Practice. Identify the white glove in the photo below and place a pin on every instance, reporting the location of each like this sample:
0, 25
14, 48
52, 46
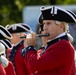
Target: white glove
4, 61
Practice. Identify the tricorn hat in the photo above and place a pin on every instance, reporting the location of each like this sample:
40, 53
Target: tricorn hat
6, 43
18, 27
56, 13
4, 33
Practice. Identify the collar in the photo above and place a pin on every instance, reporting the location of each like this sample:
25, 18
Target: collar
57, 39
20, 43
62, 34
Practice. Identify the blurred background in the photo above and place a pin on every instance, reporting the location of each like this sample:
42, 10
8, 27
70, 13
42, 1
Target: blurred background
27, 11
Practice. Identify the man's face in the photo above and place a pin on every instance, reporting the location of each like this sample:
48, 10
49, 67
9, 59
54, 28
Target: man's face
15, 39
51, 27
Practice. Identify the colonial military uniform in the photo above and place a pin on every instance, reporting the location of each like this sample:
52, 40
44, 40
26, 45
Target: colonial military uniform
10, 68
17, 60
57, 58
15, 54
4, 34
7, 45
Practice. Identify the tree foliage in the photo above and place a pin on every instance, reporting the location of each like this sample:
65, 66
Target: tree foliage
11, 10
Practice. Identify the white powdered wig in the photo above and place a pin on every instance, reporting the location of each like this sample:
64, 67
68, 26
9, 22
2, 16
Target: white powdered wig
70, 37
65, 24
66, 27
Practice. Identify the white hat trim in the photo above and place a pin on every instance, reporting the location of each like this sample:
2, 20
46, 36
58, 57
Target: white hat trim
67, 13
7, 37
30, 31
4, 43
56, 11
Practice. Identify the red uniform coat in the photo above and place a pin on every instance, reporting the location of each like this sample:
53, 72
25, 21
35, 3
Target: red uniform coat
10, 69
75, 68
19, 63
75, 62
17, 60
56, 60
2, 70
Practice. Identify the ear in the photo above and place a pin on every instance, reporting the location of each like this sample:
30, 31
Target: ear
62, 26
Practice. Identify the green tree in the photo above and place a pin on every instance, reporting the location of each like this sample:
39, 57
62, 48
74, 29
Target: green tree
11, 10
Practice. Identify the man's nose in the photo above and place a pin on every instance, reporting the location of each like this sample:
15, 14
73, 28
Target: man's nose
44, 27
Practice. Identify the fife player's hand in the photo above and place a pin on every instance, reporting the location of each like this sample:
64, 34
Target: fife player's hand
31, 39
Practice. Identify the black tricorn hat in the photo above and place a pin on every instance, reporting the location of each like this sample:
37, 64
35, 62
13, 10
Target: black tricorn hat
18, 27
6, 43
72, 13
56, 13
40, 19
4, 33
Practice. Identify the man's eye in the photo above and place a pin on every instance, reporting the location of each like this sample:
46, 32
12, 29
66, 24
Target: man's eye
48, 23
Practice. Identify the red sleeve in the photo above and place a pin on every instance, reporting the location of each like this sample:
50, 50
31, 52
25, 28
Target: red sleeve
54, 57
73, 69
2, 70
10, 69
8, 52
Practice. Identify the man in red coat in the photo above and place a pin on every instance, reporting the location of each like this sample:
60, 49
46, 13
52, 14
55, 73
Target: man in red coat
7, 65
15, 55
9, 70
57, 58
4, 34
